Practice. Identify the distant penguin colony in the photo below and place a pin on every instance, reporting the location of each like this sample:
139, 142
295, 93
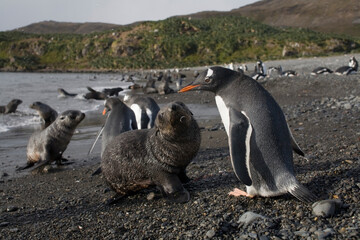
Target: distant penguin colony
260, 140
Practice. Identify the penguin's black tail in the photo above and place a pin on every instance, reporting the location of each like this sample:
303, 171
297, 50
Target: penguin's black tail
302, 193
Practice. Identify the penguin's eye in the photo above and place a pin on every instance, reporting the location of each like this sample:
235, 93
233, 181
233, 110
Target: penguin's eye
208, 79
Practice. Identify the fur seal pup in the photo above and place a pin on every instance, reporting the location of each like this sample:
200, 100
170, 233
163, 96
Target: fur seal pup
47, 113
351, 68
48, 145
145, 110
11, 106
134, 160
64, 93
112, 91
259, 138
93, 94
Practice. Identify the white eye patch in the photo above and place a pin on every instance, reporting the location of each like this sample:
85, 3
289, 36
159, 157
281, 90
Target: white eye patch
209, 73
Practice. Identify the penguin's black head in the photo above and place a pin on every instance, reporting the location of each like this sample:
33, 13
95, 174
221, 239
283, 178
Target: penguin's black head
210, 79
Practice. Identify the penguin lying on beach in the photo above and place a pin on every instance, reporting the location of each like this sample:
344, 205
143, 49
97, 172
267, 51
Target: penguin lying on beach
259, 138
346, 70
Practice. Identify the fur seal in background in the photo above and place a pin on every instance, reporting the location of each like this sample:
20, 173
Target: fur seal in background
260, 140
346, 70
93, 94
11, 106
137, 159
45, 111
321, 70
64, 93
48, 145
112, 91
145, 110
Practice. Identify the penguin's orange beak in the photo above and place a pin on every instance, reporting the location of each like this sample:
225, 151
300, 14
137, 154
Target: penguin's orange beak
104, 111
188, 88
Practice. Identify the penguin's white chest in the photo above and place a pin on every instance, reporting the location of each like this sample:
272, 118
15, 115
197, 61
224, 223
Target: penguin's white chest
224, 112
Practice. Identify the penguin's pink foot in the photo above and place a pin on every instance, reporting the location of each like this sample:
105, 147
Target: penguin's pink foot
237, 192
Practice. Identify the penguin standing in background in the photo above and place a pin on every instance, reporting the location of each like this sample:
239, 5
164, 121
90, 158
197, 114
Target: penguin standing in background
260, 71
259, 138
144, 108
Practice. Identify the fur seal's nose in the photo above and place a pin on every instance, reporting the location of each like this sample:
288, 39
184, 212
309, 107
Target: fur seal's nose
173, 107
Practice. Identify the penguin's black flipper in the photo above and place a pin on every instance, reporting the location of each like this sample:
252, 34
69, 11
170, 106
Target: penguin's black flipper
294, 145
240, 131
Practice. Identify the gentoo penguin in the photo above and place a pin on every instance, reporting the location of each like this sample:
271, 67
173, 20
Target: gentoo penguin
260, 71
120, 119
321, 70
259, 138
346, 70
145, 110
287, 73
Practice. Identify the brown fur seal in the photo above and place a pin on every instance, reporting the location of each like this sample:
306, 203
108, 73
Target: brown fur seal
112, 91
47, 113
136, 159
93, 94
11, 106
64, 93
48, 145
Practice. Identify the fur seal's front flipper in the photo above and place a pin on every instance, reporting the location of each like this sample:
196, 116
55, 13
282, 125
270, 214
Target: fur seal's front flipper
240, 131
28, 165
172, 188
91, 89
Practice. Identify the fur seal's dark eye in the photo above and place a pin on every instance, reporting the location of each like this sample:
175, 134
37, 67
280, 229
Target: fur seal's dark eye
182, 119
62, 118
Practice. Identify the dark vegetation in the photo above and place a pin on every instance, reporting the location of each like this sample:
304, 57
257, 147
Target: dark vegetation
174, 42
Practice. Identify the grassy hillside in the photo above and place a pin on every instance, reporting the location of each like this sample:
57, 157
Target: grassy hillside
331, 16
51, 27
174, 42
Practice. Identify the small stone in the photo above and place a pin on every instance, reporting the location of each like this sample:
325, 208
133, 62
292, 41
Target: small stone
249, 217
11, 209
326, 208
4, 224
301, 233
150, 196
253, 235
210, 233
347, 106
14, 230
